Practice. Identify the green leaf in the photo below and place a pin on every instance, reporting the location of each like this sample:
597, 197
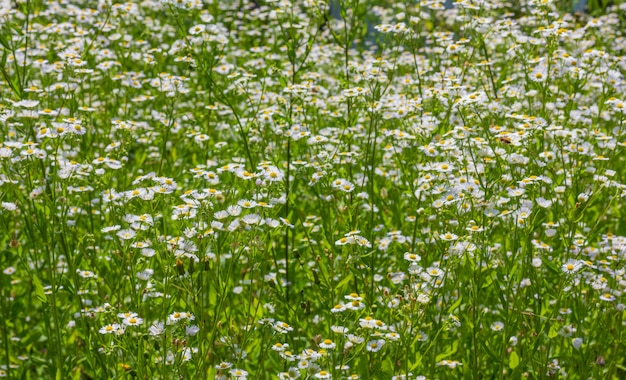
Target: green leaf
282, 81
554, 331
550, 265
513, 360
16, 28
489, 352
451, 351
39, 292
76, 375
418, 361
489, 280
4, 41
455, 305
387, 367
345, 281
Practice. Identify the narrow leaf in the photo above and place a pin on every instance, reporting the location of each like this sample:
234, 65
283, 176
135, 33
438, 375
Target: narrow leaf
513, 360
39, 292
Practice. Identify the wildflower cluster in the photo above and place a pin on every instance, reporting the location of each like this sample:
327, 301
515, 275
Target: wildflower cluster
288, 189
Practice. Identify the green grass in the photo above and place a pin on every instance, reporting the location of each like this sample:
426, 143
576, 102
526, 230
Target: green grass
233, 190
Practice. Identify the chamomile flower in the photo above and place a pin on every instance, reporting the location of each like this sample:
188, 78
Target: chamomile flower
238, 373
571, 266
323, 375
497, 326
375, 345
282, 327
327, 344
109, 329
607, 297
156, 329
412, 257
132, 321
449, 363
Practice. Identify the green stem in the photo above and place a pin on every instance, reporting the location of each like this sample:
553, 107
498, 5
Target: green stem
287, 218
4, 297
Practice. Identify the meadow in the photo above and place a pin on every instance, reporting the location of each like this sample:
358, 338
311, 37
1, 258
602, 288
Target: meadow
205, 189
